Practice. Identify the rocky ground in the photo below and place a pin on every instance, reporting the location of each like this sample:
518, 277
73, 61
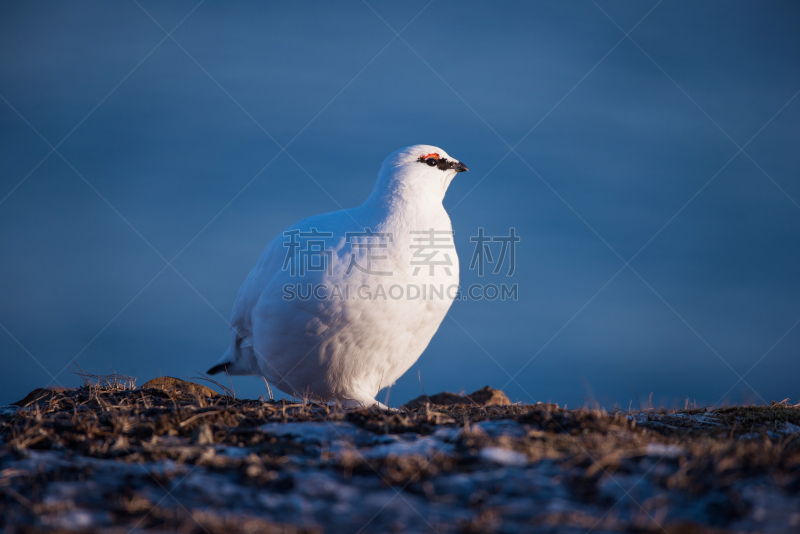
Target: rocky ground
109, 457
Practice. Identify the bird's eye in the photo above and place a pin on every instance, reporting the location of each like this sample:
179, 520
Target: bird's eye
431, 162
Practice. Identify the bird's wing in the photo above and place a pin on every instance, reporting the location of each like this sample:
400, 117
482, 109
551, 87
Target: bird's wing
240, 357
272, 262
268, 265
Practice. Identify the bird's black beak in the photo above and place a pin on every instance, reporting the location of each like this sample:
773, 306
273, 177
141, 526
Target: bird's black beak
460, 167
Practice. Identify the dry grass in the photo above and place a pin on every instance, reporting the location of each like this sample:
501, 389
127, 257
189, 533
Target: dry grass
108, 418
105, 410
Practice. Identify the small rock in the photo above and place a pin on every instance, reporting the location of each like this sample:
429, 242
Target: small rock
485, 396
176, 385
38, 396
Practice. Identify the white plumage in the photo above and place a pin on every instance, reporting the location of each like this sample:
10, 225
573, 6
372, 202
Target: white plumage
346, 346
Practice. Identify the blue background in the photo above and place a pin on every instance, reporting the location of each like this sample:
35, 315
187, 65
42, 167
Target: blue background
173, 153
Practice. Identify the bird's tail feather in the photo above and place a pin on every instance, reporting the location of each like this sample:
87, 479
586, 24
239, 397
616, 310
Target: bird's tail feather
234, 363
223, 364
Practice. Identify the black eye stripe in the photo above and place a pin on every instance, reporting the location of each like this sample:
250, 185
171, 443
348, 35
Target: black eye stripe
441, 163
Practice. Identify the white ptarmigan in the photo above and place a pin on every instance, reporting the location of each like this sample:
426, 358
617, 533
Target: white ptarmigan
342, 304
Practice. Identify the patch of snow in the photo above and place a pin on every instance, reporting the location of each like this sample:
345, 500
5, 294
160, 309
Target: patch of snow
774, 436
322, 486
167, 468
705, 420
328, 433
661, 449
234, 452
496, 429
791, 428
8, 410
505, 457
73, 520
447, 433
427, 446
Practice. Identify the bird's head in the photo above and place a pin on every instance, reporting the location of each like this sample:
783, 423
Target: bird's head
418, 170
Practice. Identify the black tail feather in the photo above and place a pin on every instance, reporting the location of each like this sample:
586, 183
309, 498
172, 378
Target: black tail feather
220, 367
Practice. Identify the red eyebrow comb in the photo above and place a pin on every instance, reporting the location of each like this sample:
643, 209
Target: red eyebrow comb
432, 155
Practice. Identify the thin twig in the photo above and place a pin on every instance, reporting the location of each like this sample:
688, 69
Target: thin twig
269, 389
198, 416
419, 376
637, 396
